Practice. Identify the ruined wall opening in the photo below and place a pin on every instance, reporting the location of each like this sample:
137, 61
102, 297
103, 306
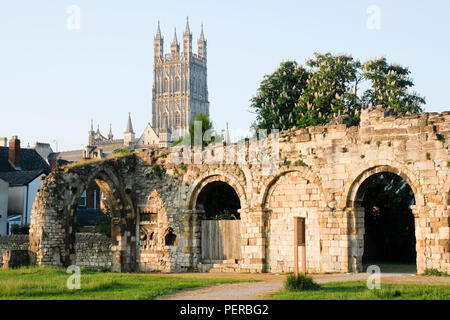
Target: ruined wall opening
93, 211
389, 231
111, 204
171, 238
219, 201
218, 204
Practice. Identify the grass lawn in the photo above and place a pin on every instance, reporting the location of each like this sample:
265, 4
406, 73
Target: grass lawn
357, 290
48, 283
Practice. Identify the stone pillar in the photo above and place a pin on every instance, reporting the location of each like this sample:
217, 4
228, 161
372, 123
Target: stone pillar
432, 237
253, 240
341, 239
192, 234
355, 238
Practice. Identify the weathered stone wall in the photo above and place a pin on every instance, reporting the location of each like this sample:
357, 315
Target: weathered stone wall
320, 175
292, 196
13, 242
92, 250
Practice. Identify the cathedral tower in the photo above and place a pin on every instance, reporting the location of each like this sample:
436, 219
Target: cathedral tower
180, 88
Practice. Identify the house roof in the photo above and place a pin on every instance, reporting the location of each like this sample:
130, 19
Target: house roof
29, 160
20, 178
31, 163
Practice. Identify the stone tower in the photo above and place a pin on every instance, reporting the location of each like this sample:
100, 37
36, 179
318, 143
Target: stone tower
180, 88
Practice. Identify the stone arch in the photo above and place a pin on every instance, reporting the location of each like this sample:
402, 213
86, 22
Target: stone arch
272, 180
353, 195
352, 204
212, 177
193, 219
53, 224
291, 193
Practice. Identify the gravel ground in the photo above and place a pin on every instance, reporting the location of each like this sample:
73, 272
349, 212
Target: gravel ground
271, 283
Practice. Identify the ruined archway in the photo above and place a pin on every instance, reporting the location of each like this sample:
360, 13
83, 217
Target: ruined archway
381, 220
217, 203
52, 235
291, 194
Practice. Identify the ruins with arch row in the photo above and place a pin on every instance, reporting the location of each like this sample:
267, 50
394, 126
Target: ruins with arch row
321, 174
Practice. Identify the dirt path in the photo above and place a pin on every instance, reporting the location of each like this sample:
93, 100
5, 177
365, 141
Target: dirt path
271, 283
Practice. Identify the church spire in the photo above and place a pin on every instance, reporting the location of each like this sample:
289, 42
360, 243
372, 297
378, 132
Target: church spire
110, 135
158, 31
175, 40
187, 30
129, 124
201, 44
175, 47
187, 39
158, 43
202, 35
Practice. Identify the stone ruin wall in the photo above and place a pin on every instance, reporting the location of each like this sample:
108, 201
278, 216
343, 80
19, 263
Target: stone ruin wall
93, 250
320, 175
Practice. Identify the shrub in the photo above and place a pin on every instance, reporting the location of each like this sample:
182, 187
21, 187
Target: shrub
435, 273
226, 215
301, 163
300, 282
122, 151
18, 229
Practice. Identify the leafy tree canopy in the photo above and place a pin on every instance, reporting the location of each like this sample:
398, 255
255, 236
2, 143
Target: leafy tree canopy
278, 96
331, 90
294, 96
390, 85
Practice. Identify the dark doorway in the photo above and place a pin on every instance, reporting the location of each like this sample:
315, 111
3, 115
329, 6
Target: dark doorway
219, 201
389, 237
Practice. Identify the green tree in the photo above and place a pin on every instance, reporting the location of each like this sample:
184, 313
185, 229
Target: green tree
103, 225
277, 96
331, 90
208, 135
390, 86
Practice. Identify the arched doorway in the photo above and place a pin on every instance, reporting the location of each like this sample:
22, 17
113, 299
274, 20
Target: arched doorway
218, 204
219, 201
116, 204
389, 239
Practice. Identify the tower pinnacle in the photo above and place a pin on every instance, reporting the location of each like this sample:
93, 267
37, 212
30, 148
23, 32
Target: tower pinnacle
187, 30
129, 124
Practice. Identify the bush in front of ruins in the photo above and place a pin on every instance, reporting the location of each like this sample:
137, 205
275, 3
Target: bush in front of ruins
300, 282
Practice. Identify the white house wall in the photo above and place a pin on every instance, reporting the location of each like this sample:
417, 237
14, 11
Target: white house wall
3, 206
32, 189
15, 200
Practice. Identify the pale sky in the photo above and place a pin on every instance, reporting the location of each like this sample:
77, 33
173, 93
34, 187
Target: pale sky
54, 80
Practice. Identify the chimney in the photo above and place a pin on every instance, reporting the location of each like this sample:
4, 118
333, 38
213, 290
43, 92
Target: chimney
14, 151
3, 142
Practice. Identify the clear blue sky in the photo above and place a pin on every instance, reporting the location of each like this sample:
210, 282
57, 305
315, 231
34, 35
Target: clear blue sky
53, 80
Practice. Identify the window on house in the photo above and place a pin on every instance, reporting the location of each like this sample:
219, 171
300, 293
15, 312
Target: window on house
82, 202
